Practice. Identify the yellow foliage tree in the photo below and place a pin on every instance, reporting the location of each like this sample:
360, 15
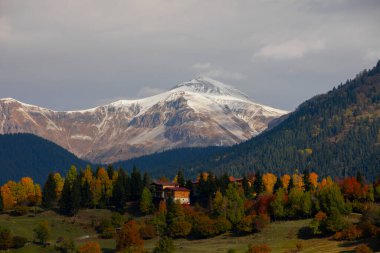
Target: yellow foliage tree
269, 181
59, 182
298, 181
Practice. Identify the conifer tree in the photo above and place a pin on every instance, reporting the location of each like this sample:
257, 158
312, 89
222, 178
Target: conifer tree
181, 178
146, 180
119, 194
136, 184
258, 185
306, 180
49, 195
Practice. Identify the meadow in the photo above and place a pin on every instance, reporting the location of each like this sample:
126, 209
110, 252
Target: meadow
281, 236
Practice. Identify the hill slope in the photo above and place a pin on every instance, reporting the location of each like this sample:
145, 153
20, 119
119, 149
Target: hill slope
199, 113
337, 133
24, 155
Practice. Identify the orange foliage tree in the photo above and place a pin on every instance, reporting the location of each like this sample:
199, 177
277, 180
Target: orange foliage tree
285, 180
313, 179
129, 238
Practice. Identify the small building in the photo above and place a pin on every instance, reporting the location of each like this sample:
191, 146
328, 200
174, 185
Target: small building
178, 194
165, 190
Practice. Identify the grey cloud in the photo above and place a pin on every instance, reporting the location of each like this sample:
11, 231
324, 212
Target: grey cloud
75, 54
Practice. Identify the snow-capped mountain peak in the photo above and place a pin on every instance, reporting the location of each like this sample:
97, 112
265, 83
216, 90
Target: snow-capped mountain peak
210, 86
200, 112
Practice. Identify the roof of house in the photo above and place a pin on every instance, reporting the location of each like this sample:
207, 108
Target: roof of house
177, 189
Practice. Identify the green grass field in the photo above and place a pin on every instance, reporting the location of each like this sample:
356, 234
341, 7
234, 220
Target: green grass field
280, 236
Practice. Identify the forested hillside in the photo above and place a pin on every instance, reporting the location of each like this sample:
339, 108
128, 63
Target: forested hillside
29, 155
335, 134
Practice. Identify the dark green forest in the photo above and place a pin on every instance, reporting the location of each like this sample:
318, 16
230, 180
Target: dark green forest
28, 155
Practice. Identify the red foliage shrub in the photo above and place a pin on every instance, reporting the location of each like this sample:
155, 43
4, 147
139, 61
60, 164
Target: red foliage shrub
260, 248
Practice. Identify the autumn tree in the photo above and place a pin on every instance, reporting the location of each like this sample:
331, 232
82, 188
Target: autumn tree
235, 204
285, 180
7, 197
146, 201
219, 205
313, 180
129, 239
269, 180
278, 204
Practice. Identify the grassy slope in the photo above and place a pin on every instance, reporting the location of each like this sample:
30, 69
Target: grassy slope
280, 236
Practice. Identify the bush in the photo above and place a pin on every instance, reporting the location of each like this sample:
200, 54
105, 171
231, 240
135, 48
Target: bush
108, 233
117, 220
179, 228
222, 225
231, 251
5, 239
148, 231
20, 210
164, 245
90, 247
363, 249
260, 248
203, 226
351, 233
42, 232
104, 223
65, 246
260, 222
19, 242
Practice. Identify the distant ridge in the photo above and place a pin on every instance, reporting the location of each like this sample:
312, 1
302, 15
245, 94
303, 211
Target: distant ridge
27, 155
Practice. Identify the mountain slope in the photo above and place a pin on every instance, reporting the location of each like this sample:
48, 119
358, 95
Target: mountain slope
24, 155
198, 113
337, 134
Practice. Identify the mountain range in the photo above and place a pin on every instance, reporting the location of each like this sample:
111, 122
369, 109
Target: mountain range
199, 113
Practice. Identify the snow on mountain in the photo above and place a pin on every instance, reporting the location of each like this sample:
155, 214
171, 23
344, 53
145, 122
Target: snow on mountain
201, 112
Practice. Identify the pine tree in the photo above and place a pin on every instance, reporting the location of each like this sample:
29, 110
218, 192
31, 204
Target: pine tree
306, 180
136, 184
258, 185
119, 195
71, 195
181, 178
146, 180
49, 195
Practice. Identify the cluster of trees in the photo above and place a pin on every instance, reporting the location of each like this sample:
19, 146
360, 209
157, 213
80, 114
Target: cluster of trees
22, 193
88, 189
219, 204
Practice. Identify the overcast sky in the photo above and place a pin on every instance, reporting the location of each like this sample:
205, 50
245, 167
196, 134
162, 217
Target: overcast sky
76, 54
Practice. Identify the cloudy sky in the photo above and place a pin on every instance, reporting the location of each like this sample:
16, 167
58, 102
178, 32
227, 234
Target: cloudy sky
76, 54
